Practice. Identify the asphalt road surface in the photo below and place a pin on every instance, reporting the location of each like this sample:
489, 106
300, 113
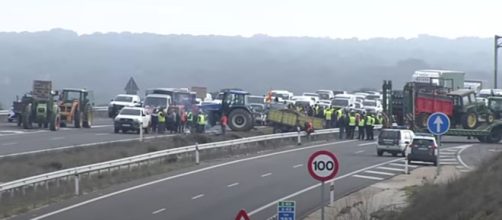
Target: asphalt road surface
17, 140
219, 190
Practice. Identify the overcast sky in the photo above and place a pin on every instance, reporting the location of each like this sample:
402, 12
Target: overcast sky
317, 18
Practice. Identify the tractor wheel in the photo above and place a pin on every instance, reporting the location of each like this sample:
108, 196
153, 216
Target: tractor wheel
495, 135
78, 119
421, 120
88, 117
27, 123
55, 122
482, 139
240, 120
489, 117
470, 120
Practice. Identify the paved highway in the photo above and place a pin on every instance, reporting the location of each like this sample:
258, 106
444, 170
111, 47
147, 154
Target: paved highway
16, 140
217, 191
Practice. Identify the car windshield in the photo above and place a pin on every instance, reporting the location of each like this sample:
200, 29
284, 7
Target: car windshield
127, 111
156, 102
370, 104
123, 99
372, 97
496, 104
422, 142
340, 102
255, 99
324, 96
389, 134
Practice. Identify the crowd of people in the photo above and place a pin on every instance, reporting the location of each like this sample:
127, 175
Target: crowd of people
175, 121
346, 120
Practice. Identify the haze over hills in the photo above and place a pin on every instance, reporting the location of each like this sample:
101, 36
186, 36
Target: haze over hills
104, 62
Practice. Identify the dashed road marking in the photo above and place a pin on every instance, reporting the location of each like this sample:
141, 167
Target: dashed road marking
368, 177
158, 211
266, 174
9, 144
403, 165
389, 168
297, 165
101, 134
232, 185
198, 196
358, 152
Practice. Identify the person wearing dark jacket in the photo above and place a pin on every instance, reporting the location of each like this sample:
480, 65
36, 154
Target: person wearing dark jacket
342, 124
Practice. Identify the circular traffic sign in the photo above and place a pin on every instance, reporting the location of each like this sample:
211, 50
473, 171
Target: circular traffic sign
438, 123
323, 165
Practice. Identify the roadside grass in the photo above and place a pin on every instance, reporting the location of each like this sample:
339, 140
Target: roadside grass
477, 196
12, 168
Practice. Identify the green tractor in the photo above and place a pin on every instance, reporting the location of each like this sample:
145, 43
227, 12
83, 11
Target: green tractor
39, 107
495, 105
467, 111
76, 108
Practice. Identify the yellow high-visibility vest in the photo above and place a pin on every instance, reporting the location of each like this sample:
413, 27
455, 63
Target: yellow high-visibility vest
352, 120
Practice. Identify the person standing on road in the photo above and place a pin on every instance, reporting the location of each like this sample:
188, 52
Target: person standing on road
223, 123
155, 120
369, 121
352, 126
361, 127
342, 123
371, 127
183, 122
162, 121
201, 121
327, 116
334, 118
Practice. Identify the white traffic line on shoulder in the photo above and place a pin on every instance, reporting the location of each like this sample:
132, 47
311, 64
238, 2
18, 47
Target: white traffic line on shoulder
448, 163
266, 174
9, 144
158, 211
391, 169
402, 165
198, 196
379, 173
368, 177
102, 134
448, 159
359, 151
365, 144
199, 171
232, 185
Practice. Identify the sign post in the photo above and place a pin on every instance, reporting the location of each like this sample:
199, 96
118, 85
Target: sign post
286, 210
323, 166
438, 124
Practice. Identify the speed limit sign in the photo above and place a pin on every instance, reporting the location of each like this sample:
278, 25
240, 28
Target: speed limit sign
323, 165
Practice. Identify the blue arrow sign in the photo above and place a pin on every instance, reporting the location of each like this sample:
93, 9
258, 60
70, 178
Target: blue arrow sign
438, 123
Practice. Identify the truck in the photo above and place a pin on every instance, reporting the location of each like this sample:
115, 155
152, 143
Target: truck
412, 106
287, 120
38, 106
180, 100
76, 107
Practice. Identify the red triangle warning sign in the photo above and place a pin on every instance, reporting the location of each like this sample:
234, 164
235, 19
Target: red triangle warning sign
242, 215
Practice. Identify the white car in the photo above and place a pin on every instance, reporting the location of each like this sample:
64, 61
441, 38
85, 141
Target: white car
372, 106
132, 119
122, 100
313, 96
394, 141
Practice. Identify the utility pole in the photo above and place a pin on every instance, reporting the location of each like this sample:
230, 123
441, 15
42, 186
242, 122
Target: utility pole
497, 46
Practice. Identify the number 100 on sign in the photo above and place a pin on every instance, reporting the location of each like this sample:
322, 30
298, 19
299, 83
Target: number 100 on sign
323, 165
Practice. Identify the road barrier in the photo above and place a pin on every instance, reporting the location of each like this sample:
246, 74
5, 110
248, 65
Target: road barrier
76, 172
101, 111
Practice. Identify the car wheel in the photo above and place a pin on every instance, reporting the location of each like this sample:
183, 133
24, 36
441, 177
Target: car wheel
379, 153
116, 130
394, 154
403, 154
124, 131
436, 162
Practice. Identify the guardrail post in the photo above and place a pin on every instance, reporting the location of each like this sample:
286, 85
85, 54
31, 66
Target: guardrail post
197, 159
141, 130
299, 136
77, 184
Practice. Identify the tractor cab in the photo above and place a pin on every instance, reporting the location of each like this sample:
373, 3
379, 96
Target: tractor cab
495, 105
76, 107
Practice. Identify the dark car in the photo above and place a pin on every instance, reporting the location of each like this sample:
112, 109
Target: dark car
423, 148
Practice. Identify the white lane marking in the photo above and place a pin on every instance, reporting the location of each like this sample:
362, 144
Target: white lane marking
448, 159
198, 196
101, 134
57, 138
158, 211
389, 168
10, 133
10, 143
266, 174
380, 173
448, 152
448, 163
495, 150
459, 157
273, 203
360, 145
101, 126
190, 173
232, 185
368, 177
358, 152
297, 165
402, 165
446, 156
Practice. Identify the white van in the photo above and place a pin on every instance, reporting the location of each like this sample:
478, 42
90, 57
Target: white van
394, 141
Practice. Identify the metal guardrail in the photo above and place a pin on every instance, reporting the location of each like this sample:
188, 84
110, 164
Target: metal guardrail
77, 171
96, 108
